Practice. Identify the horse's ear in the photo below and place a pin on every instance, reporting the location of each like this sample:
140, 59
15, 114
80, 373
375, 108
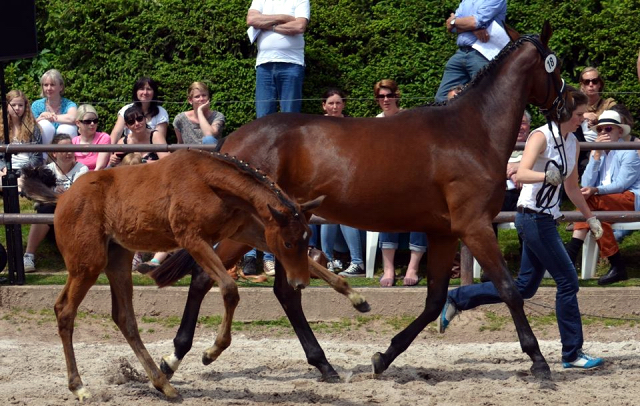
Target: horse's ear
280, 218
511, 32
313, 204
546, 33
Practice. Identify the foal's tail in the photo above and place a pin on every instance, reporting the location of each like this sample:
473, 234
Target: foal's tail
173, 268
37, 184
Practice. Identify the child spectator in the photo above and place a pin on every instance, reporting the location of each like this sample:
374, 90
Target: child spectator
23, 129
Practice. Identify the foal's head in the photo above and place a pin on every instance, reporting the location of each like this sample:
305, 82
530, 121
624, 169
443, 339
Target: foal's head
287, 235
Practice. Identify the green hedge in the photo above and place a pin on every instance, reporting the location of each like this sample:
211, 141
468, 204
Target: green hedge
103, 46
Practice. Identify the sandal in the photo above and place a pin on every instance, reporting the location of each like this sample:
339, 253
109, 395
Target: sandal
409, 281
387, 282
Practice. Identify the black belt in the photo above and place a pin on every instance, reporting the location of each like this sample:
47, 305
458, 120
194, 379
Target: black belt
523, 210
465, 48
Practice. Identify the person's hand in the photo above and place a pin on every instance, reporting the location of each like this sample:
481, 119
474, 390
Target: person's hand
595, 226
202, 107
592, 118
588, 191
114, 160
448, 22
512, 169
481, 34
553, 176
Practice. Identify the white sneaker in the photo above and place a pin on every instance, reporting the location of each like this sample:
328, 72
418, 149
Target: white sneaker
334, 266
269, 267
29, 261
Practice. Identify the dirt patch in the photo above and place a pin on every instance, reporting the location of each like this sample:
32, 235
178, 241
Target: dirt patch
477, 361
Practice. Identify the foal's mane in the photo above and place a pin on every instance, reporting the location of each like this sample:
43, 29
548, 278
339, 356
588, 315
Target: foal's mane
254, 173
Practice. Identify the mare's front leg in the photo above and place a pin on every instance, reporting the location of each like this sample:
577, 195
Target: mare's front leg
291, 302
229, 252
119, 273
484, 247
441, 254
340, 285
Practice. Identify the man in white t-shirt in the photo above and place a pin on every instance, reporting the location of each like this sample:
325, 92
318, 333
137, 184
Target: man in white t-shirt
279, 26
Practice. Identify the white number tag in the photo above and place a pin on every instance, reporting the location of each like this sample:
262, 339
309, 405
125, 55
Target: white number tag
550, 63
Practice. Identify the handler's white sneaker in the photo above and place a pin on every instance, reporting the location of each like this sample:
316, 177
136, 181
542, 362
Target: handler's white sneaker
29, 261
584, 361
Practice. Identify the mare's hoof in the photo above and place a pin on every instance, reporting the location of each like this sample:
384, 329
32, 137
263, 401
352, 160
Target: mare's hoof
166, 369
332, 378
542, 372
377, 361
363, 307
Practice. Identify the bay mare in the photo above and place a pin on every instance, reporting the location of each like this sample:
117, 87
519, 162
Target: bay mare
437, 169
190, 200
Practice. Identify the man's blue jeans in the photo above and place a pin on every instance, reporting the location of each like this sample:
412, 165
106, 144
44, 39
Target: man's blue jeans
328, 235
278, 81
542, 250
459, 70
417, 241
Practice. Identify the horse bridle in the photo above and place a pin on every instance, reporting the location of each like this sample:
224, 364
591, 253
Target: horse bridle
545, 195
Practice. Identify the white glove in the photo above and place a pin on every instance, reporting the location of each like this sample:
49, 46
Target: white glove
553, 176
595, 227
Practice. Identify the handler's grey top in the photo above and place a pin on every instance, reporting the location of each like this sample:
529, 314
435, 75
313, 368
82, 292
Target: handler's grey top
191, 132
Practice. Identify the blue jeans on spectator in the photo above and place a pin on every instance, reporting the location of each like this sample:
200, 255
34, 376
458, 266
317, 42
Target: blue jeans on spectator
543, 250
314, 241
459, 70
417, 241
328, 235
278, 81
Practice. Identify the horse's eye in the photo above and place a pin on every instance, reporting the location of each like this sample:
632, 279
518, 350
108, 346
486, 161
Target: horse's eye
288, 245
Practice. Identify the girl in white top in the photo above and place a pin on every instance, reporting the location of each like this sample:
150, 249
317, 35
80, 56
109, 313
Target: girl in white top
145, 95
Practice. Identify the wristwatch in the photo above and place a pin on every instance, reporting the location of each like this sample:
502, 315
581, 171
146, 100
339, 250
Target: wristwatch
453, 22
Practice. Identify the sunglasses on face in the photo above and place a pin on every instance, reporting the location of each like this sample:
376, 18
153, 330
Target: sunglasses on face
587, 82
386, 96
90, 121
606, 129
132, 121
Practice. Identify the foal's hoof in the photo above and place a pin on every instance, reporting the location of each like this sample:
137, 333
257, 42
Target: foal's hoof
208, 359
541, 371
82, 394
169, 391
378, 363
359, 302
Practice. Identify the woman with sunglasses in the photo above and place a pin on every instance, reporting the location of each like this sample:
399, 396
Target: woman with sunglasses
387, 95
88, 134
146, 96
592, 85
139, 133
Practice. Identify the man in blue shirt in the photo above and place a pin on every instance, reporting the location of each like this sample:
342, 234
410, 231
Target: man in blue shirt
470, 21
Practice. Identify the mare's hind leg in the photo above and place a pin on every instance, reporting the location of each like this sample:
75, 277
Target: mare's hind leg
484, 247
119, 273
291, 302
340, 285
229, 252
441, 253
204, 254
82, 274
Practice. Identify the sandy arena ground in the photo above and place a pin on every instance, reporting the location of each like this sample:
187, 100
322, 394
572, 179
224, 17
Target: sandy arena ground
469, 365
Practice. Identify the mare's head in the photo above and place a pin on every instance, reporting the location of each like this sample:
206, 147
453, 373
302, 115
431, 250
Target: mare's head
287, 234
546, 85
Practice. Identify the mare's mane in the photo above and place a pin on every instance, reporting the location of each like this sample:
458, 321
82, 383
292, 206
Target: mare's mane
254, 173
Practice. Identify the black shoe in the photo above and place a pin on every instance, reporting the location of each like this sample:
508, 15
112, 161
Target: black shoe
249, 266
615, 274
484, 277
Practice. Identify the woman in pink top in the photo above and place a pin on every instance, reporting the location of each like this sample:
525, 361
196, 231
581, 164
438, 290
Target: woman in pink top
87, 122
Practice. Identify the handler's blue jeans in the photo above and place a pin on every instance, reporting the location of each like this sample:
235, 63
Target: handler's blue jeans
328, 235
542, 250
417, 241
278, 81
459, 70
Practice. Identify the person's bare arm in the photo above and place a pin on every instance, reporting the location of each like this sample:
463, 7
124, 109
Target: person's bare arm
266, 21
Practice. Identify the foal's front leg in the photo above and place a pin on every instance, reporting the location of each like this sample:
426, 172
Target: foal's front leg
340, 285
291, 302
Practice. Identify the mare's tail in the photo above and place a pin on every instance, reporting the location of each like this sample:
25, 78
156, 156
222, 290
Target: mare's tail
173, 268
37, 184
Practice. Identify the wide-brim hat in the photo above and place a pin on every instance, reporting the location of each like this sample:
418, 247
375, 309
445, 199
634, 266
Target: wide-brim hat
613, 118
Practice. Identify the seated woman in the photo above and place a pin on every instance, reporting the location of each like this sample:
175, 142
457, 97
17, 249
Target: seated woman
67, 170
333, 102
54, 113
87, 122
191, 126
146, 96
139, 133
23, 129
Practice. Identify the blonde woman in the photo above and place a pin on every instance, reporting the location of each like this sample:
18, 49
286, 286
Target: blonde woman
55, 114
23, 129
193, 125
87, 122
